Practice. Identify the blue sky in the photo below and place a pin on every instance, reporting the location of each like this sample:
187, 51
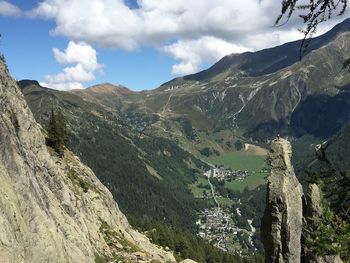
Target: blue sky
140, 44
27, 46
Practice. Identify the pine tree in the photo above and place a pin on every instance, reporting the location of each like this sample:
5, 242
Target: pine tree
57, 132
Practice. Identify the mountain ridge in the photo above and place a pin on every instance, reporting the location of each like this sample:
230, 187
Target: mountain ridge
245, 60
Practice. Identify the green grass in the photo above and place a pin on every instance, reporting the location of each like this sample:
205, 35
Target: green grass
223, 201
239, 161
252, 181
254, 164
198, 188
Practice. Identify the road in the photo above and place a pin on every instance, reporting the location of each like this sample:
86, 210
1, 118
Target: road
212, 188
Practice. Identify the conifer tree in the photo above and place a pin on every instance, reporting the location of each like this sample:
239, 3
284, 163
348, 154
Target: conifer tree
57, 132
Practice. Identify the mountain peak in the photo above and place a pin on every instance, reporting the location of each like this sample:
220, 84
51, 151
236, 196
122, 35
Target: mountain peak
28, 82
265, 61
109, 88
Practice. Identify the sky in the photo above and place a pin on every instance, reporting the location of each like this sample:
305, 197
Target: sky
140, 44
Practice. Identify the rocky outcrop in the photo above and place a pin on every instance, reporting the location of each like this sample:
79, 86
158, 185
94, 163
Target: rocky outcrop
55, 209
281, 226
288, 213
314, 201
313, 212
188, 261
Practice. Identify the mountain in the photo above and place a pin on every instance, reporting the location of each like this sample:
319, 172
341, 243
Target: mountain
55, 209
154, 144
128, 155
258, 95
153, 171
106, 94
269, 60
241, 95
251, 96
149, 176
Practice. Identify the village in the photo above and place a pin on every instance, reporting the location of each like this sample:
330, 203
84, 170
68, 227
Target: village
222, 174
215, 224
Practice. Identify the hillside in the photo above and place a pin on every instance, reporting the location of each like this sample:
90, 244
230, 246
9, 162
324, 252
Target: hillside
257, 95
249, 97
154, 171
157, 145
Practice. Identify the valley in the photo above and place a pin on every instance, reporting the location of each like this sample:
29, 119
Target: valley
190, 156
226, 140
216, 224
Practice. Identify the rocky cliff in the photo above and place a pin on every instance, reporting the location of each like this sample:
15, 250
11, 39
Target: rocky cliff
281, 226
288, 216
55, 209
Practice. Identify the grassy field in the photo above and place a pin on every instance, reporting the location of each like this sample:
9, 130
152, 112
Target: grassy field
199, 187
252, 181
254, 164
223, 201
239, 161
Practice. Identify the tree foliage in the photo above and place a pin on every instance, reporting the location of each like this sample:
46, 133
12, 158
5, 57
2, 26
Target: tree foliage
187, 245
314, 12
57, 132
329, 234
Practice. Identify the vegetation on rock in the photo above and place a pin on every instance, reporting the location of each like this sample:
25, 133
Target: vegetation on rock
57, 133
329, 232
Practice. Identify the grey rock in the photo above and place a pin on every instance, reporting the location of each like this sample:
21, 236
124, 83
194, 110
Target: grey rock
188, 261
281, 226
314, 202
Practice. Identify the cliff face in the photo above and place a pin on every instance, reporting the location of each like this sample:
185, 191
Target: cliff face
55, 209
281, 226
287, 212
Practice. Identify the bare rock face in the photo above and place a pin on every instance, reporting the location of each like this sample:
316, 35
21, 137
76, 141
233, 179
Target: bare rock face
55, 209
188, 261
281, 225
314, 207
328, 259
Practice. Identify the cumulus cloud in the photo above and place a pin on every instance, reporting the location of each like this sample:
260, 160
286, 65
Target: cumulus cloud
112, 23
8, 9
83, 58
193, 53
217, 26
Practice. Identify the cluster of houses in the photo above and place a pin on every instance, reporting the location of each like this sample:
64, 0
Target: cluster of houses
222, 174
215, 225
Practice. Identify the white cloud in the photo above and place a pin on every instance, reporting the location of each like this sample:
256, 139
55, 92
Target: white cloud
111, 23
83, 58
194, 53
235, 25
8, 9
